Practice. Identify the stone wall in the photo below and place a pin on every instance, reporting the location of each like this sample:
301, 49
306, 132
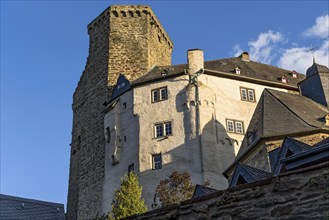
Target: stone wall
121, 41
301, 194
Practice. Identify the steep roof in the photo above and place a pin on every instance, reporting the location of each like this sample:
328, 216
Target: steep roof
249, 174
248, 70
315, 69
280, 113
202, 190
12, 207
319, 153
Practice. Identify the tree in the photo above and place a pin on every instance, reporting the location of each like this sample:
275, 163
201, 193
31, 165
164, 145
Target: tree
177, 188
128, 200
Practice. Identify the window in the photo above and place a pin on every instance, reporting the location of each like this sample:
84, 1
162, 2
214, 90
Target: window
162, 129
156, 161
131, 168
247, 94
159, 94
108, 135
124, 105
234, 126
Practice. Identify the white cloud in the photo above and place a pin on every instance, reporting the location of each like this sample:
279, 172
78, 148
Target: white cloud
301, 58
268, 48
320, 28
264, 48
237, 51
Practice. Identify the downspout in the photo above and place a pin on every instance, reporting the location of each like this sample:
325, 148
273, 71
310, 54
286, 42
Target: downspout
198, 122
195, 69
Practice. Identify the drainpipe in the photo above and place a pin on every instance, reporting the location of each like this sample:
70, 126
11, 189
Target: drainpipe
196, 68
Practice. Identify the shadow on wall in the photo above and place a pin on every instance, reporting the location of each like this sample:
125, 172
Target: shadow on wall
217, 152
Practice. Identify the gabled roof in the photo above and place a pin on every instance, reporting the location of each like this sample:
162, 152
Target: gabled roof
224, 68
249, 174
319, 153
202, 190
280, 113
12, 207
288, 145
122, 86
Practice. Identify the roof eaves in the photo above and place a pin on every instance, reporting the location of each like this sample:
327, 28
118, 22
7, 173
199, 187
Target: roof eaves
307, 153
250, 79
156, 79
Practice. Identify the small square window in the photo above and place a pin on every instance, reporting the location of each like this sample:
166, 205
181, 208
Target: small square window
131, 168
168, 128
251, 95
230, 126
157, 161
244, 94
163, 93
158, 130
155, 96
163, 129
239, 127
159, 94
234, 126
247, 94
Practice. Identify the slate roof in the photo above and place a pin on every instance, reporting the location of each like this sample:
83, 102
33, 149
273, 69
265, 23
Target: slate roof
280, 113
316, 68
17, 208
250, 174
202, 190
249, 70
288, 144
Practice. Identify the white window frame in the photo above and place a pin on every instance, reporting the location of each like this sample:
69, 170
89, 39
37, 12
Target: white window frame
162, 126
234, 126
156, 165
230, 126
247, 94
159, 94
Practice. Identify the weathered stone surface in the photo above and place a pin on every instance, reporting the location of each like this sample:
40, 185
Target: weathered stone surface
310, 200
123, 39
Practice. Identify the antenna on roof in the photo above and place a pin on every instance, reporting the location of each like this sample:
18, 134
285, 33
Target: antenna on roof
312, 50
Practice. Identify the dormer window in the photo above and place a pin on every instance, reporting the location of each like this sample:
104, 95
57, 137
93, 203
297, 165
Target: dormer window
294, 74
238, 70
283, 79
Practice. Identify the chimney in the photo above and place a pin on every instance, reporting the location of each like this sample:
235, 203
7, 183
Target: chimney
195, 61
245, 56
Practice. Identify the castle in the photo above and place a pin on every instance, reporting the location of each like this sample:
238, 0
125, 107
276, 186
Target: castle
134, 110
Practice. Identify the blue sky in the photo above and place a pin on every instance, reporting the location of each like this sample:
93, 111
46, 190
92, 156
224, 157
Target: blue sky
44, 46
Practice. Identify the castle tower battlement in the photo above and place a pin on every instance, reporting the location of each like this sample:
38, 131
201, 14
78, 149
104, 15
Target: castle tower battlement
125, 39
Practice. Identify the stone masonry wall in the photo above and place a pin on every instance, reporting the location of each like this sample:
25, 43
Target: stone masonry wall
120, 42
302, 194
137, 42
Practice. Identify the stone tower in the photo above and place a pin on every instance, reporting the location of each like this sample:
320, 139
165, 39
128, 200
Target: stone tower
123, 39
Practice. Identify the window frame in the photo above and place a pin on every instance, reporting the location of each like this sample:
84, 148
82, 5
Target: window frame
163, 127
156, 165
235, 129
247, 94
159, 94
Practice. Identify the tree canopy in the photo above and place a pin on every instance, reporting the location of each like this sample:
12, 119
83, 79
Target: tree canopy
176, 188
128, 200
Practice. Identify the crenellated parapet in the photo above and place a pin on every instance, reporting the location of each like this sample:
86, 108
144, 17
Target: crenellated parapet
132, 11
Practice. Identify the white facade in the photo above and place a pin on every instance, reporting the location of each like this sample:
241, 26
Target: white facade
205, 158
